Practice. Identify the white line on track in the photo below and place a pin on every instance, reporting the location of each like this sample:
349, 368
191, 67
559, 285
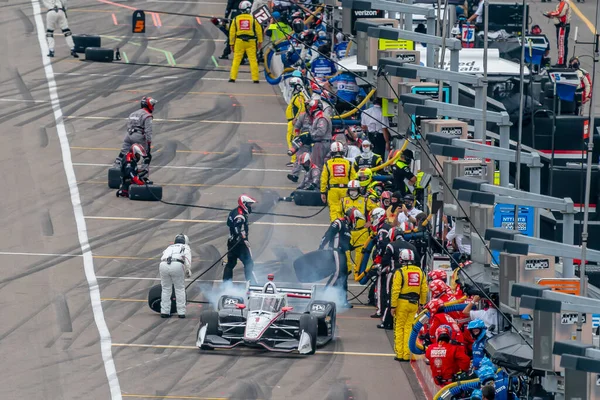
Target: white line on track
15, 253
23, 101
136, 278
148, 76
193, 168
197, 221
88, 262
185, 2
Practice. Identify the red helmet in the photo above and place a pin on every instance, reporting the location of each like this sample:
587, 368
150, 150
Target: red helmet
394, 234
434, 305
438, 287
386, 196
423, 333
305, 159
437, 274
352, 216
245, 203
443, 332
313, 106
138, 151
148, 103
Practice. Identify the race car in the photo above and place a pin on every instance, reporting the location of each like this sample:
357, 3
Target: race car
277, 319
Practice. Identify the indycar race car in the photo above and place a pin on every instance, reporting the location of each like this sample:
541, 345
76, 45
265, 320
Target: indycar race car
276, 319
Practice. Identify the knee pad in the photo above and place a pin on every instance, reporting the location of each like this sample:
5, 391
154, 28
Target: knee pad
67, 32
49, 33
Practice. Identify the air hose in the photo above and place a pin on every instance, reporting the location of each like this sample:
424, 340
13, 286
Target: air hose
362, 274
421, 319
455, 388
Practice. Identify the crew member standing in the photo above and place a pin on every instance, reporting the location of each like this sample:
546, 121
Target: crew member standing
139, 129
175, 265
320, 131
231, 11
561, 17
336, 174
371, 121
245, 33
293, 110
409, 290
57, 16
338, 238
238, 246
402, 173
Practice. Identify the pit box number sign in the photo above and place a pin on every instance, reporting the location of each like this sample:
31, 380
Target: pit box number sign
262, 15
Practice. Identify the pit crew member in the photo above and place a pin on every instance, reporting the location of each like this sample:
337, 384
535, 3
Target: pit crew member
238, 246
175, 265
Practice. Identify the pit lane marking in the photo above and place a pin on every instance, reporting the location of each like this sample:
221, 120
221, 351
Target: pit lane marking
181, 347
135, 278
586, 21
204, 121
193, 168
204, 185
197, 221
231, 94
23, 101
154, 77
258, 153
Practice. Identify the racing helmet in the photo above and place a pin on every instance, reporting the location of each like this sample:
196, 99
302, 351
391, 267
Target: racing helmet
437, 274
148, 103
486, 374
407, 256
437, 287
245, 203
322, 35
394, 234
336, 148
365, 177
377, 216
305, 160
386, 198
138, 151
297, 24
245, 6
308, 36
476, 395
181, 239
276, 15
296, 84
455, 30
443, 332
339, 37
434, 305
477, 324
352, 216
366, 145
408, 155
314, 105
353, 189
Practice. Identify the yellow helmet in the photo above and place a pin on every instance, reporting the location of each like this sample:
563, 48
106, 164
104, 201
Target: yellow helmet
365, 177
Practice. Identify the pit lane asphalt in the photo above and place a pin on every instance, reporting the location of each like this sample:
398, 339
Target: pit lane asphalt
49, 337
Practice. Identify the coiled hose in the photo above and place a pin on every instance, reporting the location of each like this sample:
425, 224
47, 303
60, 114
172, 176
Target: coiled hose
455, 388
413, 345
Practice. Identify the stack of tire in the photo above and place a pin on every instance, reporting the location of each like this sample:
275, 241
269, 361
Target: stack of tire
136, 192
90, 45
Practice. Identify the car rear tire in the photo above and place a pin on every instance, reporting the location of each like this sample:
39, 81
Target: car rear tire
210, 318
309, 324
154, 299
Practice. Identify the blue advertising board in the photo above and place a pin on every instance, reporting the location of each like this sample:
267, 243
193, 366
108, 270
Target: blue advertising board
504, 217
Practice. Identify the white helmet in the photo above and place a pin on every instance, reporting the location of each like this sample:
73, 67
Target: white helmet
339, 37
455, 30
245, 6
377, 215
336, 148
245, 202
353, 189
296, 84
304, 159
407, 255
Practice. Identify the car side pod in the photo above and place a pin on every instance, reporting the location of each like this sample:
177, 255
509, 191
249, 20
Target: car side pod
201, 335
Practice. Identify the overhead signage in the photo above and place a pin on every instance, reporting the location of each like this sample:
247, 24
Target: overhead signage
504, 217
571, 318
359, 14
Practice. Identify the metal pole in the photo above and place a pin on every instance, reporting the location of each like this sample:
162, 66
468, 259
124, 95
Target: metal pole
567, 238
443, 55
588, 179
486, 24
521, 105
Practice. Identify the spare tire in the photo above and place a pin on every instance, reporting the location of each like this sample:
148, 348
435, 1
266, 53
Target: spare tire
315, 266
99, 54
145, 192
82, 42
154, 299
114, 178
309, 324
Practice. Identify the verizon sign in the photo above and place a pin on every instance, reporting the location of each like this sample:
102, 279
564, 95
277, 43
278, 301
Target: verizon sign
358, 14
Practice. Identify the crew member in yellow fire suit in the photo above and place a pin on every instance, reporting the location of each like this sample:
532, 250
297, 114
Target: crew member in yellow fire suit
294, 108
244, 34
409, 290
360, 234
337, 172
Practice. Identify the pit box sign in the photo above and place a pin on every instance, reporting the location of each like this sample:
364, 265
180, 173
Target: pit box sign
138, 22
262, 15
534, 264
571, 318
452, 130
358, 14
474, 171
504, 217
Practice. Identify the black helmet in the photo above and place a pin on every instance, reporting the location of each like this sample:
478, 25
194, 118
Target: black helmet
298, 25
181, 239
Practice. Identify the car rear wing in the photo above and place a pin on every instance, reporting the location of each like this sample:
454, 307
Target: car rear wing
300, 293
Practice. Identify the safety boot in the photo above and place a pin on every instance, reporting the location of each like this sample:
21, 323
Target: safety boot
51, 53
74, 53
